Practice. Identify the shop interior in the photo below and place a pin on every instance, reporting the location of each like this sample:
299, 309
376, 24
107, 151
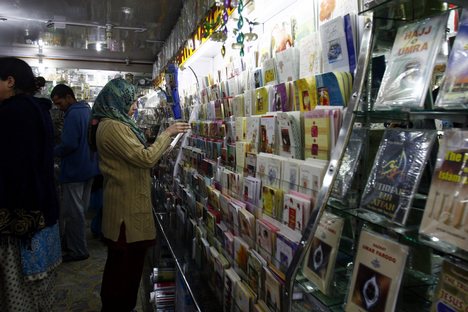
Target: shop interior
326, 165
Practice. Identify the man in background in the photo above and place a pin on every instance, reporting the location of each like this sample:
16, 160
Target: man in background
78, 167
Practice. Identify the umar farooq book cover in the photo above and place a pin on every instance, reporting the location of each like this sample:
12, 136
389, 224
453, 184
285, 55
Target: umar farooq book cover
377, 274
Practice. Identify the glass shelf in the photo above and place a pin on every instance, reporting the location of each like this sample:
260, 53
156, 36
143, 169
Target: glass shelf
416, 289
405, 10
405, 233
460, 116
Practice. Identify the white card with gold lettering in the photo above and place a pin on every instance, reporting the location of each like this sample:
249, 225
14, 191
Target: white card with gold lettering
320, 260
378, 268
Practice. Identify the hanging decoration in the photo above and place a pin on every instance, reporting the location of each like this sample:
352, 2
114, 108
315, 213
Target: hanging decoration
227, 4
251, 36
239, 44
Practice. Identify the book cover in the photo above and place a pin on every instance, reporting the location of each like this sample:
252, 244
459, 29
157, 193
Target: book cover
307, 94
377, 274
241, 150
311, 176
281, 99
329, 9
264, 49
410, 64
271, 98
320, 260
287, 65
445, 216
253, 133
329, 90
234, 183
231, 278
241, 253
271, 200
270, 76
229, 244
224, 89
252, 190
241, 131
272, 291
396, 172
231, 155
250, 164
261, 101
262, 166
232, 220
286, 246
260, 306
451, 294
230, 132
233, 86
215, 92
247, 226
296, 211
268, 134
334, 46
282, 36
266, 238
220, 265
349, 164
310, 62
242, 81
289, 141
290, 175
257, 77
249, 103
254, 270
224, 205
273, 171
349, 22
317, 134
244, 297
228, 107
454, 90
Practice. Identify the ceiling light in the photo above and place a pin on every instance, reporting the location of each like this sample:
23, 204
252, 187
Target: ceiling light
126, 10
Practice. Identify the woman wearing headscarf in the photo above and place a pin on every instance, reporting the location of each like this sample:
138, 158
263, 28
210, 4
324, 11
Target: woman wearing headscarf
29, 236
125, 161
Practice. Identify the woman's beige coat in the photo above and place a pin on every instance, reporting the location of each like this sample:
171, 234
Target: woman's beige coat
125, 165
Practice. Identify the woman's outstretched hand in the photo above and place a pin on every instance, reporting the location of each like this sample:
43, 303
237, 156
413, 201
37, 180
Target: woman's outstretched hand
178, 127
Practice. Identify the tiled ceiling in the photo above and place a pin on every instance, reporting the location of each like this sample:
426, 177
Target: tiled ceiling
134, 29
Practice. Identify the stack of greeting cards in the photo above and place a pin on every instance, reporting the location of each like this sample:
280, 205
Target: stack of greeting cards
290, 144
296, 210
287, 65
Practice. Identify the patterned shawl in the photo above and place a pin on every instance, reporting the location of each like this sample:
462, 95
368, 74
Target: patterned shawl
114, 102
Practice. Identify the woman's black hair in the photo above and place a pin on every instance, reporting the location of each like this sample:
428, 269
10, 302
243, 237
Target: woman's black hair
40, 82
21, 72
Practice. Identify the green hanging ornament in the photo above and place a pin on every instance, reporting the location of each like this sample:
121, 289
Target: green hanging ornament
240, 22
223, 50
240, 38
